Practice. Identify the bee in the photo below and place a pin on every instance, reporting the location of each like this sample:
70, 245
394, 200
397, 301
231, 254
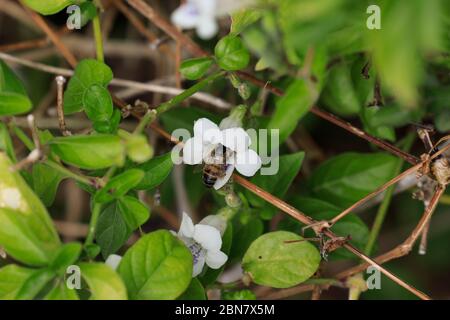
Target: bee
215, 166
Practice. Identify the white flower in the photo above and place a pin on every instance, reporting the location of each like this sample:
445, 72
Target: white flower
208, 138
204, 242
113, 261
202, 14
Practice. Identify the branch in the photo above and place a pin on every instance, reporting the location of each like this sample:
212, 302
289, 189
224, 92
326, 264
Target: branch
200, 96
42, 24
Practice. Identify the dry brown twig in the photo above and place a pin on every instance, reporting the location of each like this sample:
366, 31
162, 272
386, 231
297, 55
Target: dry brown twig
52, 35
152, 87
60, 80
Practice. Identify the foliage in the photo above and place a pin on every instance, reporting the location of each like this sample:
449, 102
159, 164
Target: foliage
278, 62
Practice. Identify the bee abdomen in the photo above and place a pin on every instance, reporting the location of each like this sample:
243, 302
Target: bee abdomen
211, 173
209, 180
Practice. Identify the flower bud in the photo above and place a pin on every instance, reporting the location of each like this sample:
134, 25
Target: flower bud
356, 285
257, 108
137, 147
232, 200
234, 120
235, 81
244, 90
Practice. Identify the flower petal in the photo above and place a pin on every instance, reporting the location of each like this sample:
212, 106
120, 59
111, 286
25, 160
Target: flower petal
198, 265
206, 7
208, 237
202, 125
236, 139
216, 259
187, 227
113, 261
207, 28
193, 151
220, 182
186, 16
207, 131
247, 163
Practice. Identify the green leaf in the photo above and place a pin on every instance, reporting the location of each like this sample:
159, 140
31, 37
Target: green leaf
35, 284
88, 12
60, 291
291, 108
13, 97
110, 125
89, 152
12, 278
47, 7
87, 73
289, 166
119, 185
9, 82
395, 116
104, 283
399, 57
156, 171
13, 103
380, 131
134, 211
117, 221
239, 295
112, 231
97, 103
45, 182
193, 69
6, 144
231, 53
243, 18
67, 255
347, 178
26, 230
158, 266
339, 94
270, 261
195, 291
244, 235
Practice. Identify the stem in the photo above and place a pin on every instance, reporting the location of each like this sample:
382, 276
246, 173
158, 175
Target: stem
63, 170
151, 115
324, 281
22, 136
98, 38
93, 224
382, 210
384, 207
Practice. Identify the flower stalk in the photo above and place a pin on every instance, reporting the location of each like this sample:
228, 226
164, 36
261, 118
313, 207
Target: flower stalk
151, 115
